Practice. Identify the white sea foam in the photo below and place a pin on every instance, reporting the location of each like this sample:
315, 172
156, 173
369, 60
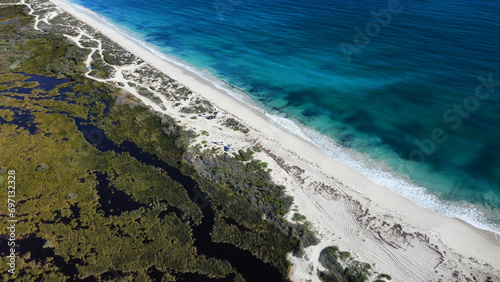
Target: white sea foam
382, 174
376, 171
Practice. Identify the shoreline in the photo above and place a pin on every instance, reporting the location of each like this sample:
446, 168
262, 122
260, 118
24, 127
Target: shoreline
470, 213
343, 206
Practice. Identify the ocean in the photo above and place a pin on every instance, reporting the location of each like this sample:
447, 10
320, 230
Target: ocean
406, 92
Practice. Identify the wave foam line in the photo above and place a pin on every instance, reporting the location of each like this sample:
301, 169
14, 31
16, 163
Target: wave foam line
381, 174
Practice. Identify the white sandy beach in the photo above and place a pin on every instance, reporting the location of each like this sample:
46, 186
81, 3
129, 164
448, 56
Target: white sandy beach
348, 210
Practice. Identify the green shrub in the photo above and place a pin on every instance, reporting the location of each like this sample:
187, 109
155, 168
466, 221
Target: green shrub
298, 217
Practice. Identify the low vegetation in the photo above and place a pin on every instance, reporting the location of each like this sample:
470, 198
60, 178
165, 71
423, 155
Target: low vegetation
63, 230
198, 107
341, 267
235, 125
298, 217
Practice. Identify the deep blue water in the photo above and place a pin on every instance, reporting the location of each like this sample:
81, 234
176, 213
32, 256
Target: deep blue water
377, 88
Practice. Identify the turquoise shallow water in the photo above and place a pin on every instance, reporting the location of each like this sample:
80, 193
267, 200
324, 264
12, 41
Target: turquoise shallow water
395, 85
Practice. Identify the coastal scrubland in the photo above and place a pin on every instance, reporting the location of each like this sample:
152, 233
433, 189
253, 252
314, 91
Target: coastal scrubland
58, 205
85, 212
